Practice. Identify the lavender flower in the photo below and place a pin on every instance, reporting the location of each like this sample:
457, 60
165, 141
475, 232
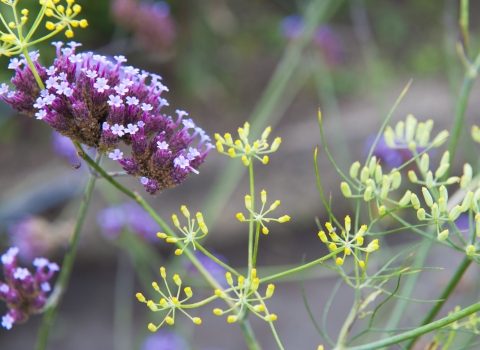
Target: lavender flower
24, 292
164, 340
215, 269
127, 215
80, 103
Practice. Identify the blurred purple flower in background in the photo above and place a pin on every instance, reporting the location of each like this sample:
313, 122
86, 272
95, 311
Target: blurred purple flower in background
64, 147
150, 22
324, 38
164, 340
127, 215
211, 266
35, 236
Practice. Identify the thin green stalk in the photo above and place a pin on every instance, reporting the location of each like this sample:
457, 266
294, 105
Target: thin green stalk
277, 339
444, 296
214, 258
255, 247
458, 122
244, 324
32, 68
415, 333
301, 268
66, 270
250, 224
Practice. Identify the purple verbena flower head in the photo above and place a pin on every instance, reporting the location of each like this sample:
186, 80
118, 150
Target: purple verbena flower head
331, 44
24, 293
292, 26
127, 215
101, 103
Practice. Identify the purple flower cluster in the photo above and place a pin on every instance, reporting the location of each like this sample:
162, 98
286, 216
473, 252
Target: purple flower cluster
324, 37
130, 215
101, 104
164, 340
24, 293
151, 23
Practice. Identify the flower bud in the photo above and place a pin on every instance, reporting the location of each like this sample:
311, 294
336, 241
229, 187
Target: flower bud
442, 235
362, 230
240, 280
255, 284
452, 180
359, 239
378, 173
231, 152
155, 286
163, 273
476, 133
361, 263
429, 180
323, 236
274, 205
389, 137
140, 297
151, 327
267, 132
442, 205
228, 276
228, 139
405, 199
424, 163
169, 320
329, 226
372, 246
197, 320
161, 235
188, 292
396, 180
152, 305
232, 319
270, 290
185, 211
442, 170
265, 159
271, 318
443, 193
276, 143
410, 126
367, 195
345, 189
245, 160
400, 130
203, 227
176, 223
467, 176
263, 196
445, 158
435, 211
220, 294
354, 168
412, 176
332, 246
283, 219
348, 223
265, 230
171, 240
421, 214
382, 210
440, 138
259, 308
240, 217
384, 191
339, 261
372, 165
419, 131
466, 201
177, 280
427, 196
248, 202
455, 213
470, 250
218, 312
364, 174
415, 201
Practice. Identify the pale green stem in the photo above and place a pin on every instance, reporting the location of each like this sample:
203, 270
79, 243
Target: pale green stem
255, 248
218, 261
250, 224
33, 69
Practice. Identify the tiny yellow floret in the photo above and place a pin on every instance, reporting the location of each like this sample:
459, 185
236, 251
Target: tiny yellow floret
188, 291
169, 320
265, 230
259, 308
197, 320
178, 252
271, 318
140, 297
232, 319
161, 235
163, 272
218, 312
361, 263
151, 327
283, 219
69, 33
240, 217
339, 261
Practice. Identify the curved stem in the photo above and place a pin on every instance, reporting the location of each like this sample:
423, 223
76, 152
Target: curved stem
418, 331
214, 258
444, 296
66, 270
250, 225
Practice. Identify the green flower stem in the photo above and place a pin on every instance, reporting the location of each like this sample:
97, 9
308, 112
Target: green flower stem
37, 22
415, 333
302, 267
32, 68
458, 122
277, 339
66, 270
17, 22
444, 296
244, 324
255, 249
218, 261
250, 224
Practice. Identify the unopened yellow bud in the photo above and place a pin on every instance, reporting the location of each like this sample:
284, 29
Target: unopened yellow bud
259, 308
232, 319
220, 147
265, 230
155, 286
11, 25
415, 201
276, 143
320, 347
169, 320
362, 230
372, 165
361, 263
412, 176
171, 240
185, 211
271, 318
248, 202
220, 293
77, 8
175, 300
427, 196
161, 235
364, 174
440, 138
396, 180
389, 137
68, 12
177, 280
188, 291
203, 227
467, 201
178, 252
347, 251
323, 236
442, 170
467, 176
470, 250
140, 297
231, 152
452, 180
241, 280
49, 12
424, 163
176, 223
197, 320
245, 160
455, 213
443, 192
382, 210
332, 246
359, 239
24, 12
283, 219
240, 217
421, 214
345, 189
372, 246
263, 196
69, 33
255, 284
163, 303
163, 272
267, 132
151, 327
270, 290
265, 159
354, 170
405, 199
442, 205
410, 126
218, 312
339, 261
435, 211
228, 276
442, 235
348, 223
152, 305
367, 195
274, 205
